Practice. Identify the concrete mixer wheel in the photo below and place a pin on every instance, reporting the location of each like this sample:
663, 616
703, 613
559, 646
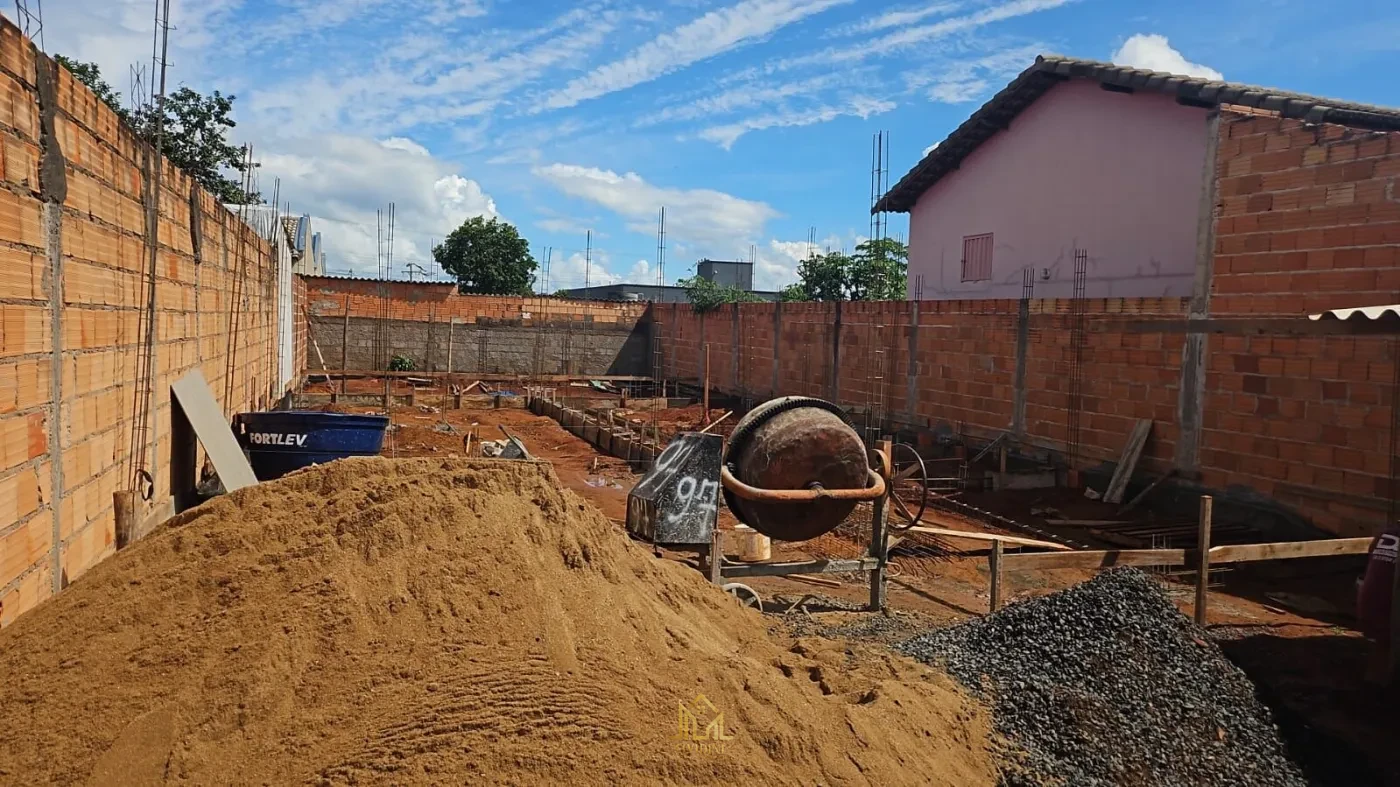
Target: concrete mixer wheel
746, 596
909, 484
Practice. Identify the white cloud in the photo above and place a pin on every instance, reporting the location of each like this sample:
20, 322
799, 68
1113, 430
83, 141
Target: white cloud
931, 148
965, 80
564, 226
716, 32
957, 91
701, 215
116, 34
748, 96
580, 270
860, 106
917, 37
641, 273
903, 17
341, 181
1151, 51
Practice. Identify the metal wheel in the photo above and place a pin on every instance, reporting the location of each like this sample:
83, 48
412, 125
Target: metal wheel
908, 487
745, 595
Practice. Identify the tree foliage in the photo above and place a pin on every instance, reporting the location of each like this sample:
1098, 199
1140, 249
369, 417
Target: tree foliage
706, 296
488, 257
194, 131
195, 140
878, 271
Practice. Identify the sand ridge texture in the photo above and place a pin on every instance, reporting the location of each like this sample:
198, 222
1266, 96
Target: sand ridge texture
378, 621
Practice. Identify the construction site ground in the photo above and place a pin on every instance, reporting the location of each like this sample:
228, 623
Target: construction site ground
1288, 626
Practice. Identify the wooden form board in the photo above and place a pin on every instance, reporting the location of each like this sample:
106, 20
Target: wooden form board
1242, 553
1128, 463
1010, 540
207, 420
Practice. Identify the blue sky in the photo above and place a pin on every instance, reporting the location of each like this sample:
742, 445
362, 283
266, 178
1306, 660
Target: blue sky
749, 120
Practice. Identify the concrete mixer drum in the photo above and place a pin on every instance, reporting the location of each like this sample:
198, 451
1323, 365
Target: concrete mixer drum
800, 444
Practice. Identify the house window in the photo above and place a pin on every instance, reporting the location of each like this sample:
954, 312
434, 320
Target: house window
977, 257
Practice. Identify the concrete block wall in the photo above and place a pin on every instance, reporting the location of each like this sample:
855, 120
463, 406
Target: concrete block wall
359, 324
73, 257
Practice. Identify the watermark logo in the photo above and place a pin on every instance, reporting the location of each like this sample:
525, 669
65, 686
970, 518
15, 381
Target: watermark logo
700, 725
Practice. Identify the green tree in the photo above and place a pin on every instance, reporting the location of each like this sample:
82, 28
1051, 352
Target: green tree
825, 277
706, 296
194, 135
794, 292
195, 139
488, 257
879, 271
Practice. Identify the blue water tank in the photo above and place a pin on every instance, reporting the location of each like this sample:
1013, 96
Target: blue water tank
281, 441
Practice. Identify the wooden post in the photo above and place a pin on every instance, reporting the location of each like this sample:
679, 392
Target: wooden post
994, 567
879, 543
124, 502
344, 343
1203, 559
705, 400
451, 321
1392, 672
428, 351
716, 556
1001, 458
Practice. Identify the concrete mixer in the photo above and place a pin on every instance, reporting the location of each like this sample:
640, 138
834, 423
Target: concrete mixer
793, 469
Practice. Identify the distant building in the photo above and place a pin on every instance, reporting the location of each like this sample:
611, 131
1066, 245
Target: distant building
643, 292
722, 272
307, 257
1078, 160
726, 273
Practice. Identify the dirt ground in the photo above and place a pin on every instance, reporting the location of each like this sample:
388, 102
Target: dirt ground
1288, 640
447, 621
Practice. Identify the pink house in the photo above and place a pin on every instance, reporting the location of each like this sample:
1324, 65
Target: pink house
1077, 156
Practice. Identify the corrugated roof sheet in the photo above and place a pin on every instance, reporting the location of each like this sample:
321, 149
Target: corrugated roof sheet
1360, 313
1050, 70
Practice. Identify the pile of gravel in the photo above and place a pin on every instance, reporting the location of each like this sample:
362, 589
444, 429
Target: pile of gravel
1108, 684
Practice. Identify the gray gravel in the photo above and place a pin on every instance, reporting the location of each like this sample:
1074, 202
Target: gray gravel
1108, 684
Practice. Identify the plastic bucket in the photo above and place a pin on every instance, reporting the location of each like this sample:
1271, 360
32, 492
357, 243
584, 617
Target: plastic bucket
282, 441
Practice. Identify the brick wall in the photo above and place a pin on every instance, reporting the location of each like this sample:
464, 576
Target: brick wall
1301, 422
68, 385
359, 324
1308, 219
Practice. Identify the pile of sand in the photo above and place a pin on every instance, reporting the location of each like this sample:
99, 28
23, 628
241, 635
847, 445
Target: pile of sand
378, 621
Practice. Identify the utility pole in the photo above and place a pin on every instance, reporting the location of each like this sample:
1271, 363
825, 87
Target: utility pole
588, 261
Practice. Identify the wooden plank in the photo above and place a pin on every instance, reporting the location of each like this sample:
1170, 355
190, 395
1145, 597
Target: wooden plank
1095, 559
1131, 504
1012, 540
994, 566
1128, 463
800, 567
553, 378
207, 420
1243, 553
1118, 539
1203, 559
